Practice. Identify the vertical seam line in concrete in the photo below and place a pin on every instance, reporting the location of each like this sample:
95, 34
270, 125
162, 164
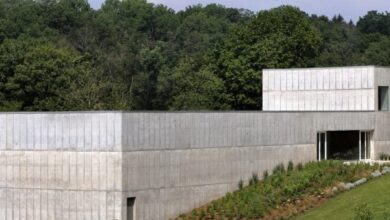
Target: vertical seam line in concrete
6, 167
91, 161
122, 157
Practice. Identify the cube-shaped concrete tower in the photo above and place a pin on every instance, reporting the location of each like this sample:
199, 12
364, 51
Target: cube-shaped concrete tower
325, 89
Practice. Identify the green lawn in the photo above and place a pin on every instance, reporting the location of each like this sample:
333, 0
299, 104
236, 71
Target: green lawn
375, 193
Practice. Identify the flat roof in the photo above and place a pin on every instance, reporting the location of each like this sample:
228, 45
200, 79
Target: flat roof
183, 112
330, 67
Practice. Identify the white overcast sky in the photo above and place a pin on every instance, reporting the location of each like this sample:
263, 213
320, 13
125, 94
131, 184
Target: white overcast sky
349, 9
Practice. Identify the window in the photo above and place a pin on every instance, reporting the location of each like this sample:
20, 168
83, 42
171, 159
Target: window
383, 98
130, 208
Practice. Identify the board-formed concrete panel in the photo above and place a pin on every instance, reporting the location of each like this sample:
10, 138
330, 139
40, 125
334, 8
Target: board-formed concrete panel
323, 89
83, 165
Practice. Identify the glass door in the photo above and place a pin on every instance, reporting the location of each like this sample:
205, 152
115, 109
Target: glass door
365, 145
322, 153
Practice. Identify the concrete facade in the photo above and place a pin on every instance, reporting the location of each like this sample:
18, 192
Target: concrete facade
176, 161
323, 89
84, 165
60, 166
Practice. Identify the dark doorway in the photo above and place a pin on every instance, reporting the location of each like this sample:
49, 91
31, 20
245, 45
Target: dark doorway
343, 145
131, 208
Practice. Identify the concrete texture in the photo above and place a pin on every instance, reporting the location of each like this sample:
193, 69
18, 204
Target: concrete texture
83, 165
322, 89
382, 78
191, 130
167, 183
76, 131
61, 166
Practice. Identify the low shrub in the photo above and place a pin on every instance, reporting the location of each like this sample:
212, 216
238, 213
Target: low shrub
278, 169
254, 179
384, 156
265, 175
299, 167
240, 184
290, 166
194, 213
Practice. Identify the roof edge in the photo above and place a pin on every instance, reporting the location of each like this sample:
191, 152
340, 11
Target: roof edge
330, 67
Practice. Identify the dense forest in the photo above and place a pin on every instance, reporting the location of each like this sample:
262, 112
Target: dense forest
132, 55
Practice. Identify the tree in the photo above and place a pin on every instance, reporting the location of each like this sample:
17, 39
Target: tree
134, 55
280, 38
22, 17
35, 75
66, 15
195, 88
378, 53
202, 27
375, 22
341, 44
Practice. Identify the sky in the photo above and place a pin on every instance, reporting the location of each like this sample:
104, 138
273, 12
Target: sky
349, 9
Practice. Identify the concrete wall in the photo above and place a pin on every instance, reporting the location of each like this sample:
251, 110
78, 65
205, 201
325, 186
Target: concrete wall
60, 166
78, 131
174, 162
382, 133
382, 119
84, 165
167, 183
192, 130
319, 89
382, 78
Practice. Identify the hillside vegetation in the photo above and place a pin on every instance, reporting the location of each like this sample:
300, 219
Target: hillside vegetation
283, 194
371, 200
134, 55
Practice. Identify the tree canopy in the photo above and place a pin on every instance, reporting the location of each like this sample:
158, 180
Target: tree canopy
134, 55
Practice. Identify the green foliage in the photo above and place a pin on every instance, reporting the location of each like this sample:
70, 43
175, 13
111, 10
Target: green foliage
265, 174
386, 215
363, 212
36, 75
299, 166
134, 55
195, 89
343, 206
374, 22
384, 156
278, 169
255, 200
342, 43
279, 38
254, 179
240, 184
290, 166
378, 52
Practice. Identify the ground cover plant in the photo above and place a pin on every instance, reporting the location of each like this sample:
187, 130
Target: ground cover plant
384, 156
369, 201
260, 199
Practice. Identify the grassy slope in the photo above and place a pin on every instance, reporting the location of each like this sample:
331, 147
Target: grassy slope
376, 194
259, 199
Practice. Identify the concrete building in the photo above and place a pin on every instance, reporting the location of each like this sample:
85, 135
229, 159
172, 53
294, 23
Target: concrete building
156, 165
323, 89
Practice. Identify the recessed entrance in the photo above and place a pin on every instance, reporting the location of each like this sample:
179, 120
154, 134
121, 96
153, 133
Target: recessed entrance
131, 208
344, 145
